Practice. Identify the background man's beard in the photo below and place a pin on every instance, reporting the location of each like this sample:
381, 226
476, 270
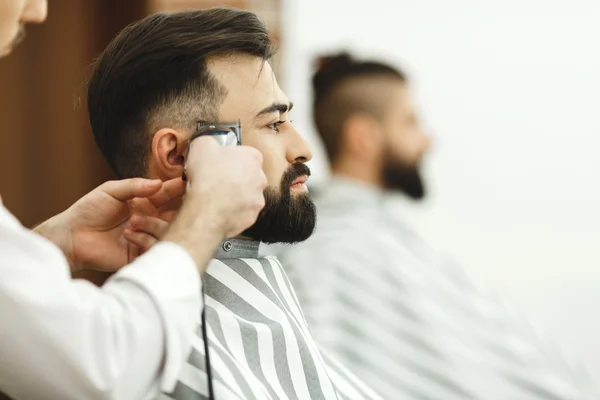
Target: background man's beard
286, 218
399, 176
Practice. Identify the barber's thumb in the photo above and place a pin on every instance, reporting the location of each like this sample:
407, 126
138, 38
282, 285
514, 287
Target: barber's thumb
203, 143
198, 147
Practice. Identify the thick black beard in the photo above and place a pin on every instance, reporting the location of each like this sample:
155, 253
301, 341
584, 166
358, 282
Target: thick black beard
286, 218
399, 176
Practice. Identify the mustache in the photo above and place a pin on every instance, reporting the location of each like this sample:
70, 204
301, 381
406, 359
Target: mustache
21, 34
294, 172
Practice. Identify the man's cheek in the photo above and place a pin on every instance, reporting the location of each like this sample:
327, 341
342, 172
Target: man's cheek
272, 173
274, 159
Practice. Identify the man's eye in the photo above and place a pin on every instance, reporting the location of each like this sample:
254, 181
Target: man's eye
275, 126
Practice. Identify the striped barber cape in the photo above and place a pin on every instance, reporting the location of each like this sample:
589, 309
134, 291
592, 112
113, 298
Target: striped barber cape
408, 320
259, 343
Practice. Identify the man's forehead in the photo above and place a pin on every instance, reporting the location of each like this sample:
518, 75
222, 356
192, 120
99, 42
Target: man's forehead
250, 84
242, 72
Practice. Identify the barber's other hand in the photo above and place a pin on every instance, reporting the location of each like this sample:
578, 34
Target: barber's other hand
148, 224
91, 231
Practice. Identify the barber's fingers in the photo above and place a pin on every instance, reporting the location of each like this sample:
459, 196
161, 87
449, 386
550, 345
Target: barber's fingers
133, 252
208, 161
198, 149
170, 190
153, 226
205, 147
142, 206
128, 189
167, 215
254, 153
141, 240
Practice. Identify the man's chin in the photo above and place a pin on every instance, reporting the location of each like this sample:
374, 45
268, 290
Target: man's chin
6, 51
17, 40
406, 180
279, 236
288, 226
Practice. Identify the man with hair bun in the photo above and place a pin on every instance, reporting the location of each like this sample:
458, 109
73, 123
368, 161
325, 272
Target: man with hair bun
399, 315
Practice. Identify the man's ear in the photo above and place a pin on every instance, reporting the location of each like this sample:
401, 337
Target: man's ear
169, 148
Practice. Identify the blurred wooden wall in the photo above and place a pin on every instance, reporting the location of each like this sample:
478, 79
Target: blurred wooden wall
48, 158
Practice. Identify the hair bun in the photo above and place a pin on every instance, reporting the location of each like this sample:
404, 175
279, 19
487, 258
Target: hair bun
334, 61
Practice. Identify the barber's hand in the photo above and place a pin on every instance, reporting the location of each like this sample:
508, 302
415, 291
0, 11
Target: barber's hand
229, 181
91, 232
224, 198
148, 224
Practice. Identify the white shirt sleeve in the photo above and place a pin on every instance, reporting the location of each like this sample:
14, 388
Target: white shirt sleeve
67, 339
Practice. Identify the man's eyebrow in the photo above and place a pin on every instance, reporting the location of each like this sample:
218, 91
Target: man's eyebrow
275, 107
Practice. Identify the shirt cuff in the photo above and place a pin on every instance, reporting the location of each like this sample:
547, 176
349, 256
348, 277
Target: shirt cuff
169, 275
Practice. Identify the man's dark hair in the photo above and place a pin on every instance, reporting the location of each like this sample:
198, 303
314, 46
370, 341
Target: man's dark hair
332, 106
155, 73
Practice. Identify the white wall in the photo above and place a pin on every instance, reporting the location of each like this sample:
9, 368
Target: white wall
511, 91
